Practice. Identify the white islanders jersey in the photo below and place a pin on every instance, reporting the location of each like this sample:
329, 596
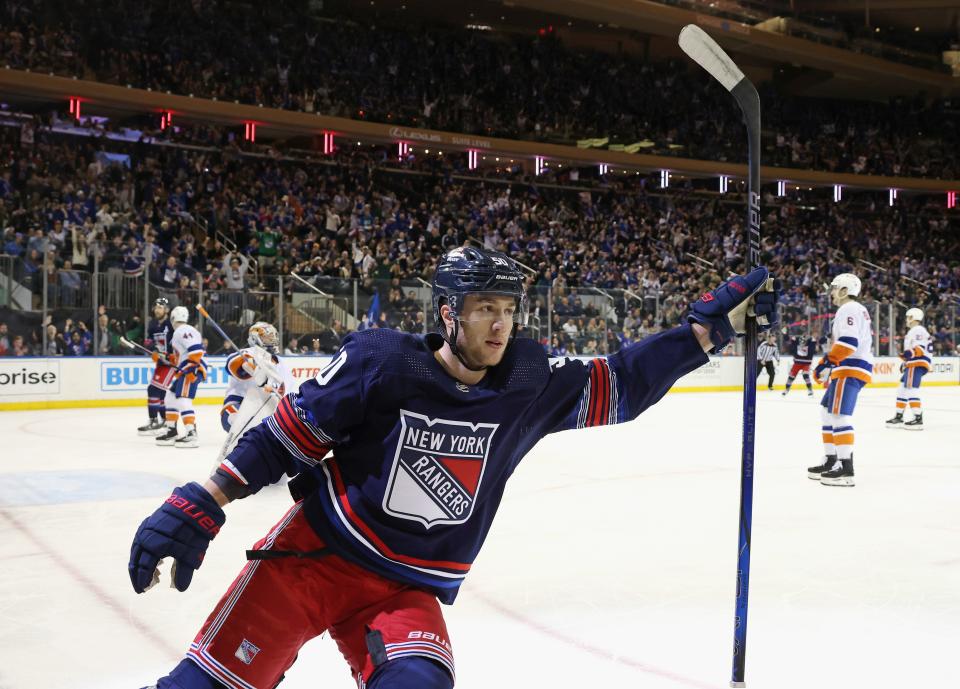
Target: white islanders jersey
241, 382
918, 348
187, 343
852, 354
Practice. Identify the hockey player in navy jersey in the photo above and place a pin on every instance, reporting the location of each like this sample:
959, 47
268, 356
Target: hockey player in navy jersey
425, 430
801, 349
158, 337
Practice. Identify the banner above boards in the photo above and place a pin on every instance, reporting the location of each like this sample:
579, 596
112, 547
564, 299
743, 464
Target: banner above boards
40, 382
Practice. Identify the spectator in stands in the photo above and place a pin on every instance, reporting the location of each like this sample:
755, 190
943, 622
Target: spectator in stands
80, 250
112, 263
55, 343
4, 340
71, 285
329, 339
293, 348
19, 347
170, 274
235, 267
76, 346
108, 335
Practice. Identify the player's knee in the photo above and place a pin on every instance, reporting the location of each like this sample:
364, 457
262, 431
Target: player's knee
412, 672
187, 675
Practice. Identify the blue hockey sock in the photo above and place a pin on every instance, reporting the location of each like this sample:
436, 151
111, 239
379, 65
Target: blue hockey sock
188, 675
411, 672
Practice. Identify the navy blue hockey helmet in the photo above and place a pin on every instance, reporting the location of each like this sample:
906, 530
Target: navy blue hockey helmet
471, 270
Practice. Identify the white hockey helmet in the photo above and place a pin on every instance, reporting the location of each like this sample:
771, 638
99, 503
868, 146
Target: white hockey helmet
180, 315
915, 314
263, 334
848, 280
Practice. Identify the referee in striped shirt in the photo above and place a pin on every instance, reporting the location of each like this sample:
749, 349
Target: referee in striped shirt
767, 354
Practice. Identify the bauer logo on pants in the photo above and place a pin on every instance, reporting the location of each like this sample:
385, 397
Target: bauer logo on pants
437, 469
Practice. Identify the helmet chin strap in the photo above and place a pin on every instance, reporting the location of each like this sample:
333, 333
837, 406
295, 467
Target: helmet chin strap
452, 341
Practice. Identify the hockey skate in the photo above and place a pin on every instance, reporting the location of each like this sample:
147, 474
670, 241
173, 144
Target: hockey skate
841, 475
784, 393
896, 421
187, 440
168, 437
815, 472
153, 428
914, 424
809, 393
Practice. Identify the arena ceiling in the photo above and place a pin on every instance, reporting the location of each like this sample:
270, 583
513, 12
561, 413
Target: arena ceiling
650, 28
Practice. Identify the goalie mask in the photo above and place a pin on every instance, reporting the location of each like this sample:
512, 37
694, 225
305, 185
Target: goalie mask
262, 334
470, 270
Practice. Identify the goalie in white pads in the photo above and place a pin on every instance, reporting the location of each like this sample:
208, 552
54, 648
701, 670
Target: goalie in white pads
917, 350
258, 380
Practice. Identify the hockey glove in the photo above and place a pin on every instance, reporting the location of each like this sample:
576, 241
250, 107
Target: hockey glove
181, 528
822, 372
724, 310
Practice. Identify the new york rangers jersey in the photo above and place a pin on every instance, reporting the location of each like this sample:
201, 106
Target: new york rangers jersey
421, 459
159, 334
158, 338
851, 353
802, 349
917, 348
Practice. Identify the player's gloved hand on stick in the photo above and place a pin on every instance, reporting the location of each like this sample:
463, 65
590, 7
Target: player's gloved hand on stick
724, 310
181, 528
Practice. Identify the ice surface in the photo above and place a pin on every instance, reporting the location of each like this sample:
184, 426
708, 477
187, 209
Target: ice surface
611, 563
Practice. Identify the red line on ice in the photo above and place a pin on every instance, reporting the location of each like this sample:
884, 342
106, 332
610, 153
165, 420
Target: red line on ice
592, 650
105, 598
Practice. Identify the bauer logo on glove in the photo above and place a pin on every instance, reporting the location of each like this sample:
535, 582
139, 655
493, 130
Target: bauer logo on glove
724, 310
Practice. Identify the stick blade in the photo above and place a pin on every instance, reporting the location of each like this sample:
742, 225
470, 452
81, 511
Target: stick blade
705, 51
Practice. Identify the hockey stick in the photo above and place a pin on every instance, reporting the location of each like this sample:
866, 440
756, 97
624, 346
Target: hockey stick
695, 42
216, 326
133, 345
235, 434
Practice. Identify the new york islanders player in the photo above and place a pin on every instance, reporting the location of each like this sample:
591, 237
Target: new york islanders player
187, 355
801, 349
917, 350
848, 366
256, 373
158, 336
426, 431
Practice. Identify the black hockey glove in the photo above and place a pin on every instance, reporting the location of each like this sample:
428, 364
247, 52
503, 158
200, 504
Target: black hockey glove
724, 310
181, 528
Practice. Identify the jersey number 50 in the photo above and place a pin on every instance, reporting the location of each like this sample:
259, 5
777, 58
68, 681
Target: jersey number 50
331, 369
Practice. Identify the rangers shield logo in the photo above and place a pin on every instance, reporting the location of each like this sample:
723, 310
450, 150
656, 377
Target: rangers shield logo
437, 469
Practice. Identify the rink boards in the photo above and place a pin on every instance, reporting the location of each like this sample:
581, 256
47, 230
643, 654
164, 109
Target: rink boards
64, 382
